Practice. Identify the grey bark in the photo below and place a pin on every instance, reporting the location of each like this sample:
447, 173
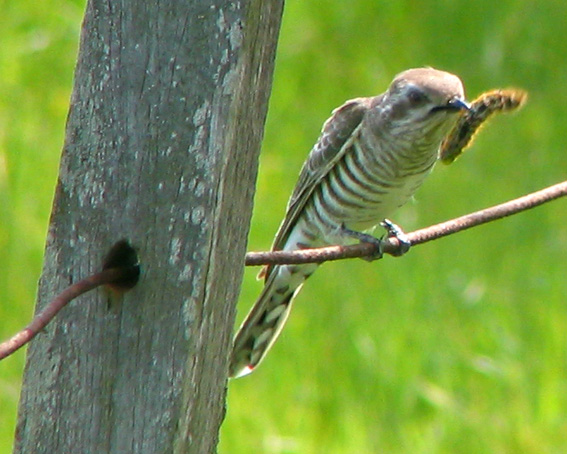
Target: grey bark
164, 129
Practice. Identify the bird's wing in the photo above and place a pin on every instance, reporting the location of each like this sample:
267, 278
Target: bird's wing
336, 137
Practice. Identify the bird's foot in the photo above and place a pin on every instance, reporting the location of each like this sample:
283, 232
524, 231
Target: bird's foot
392, 231
365, 238
395, 231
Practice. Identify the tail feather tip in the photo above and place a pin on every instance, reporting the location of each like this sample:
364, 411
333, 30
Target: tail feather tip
241, 371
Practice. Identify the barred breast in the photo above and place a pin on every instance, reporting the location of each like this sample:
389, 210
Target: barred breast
366, 186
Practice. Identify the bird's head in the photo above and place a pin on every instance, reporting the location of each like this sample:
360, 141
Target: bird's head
424, 100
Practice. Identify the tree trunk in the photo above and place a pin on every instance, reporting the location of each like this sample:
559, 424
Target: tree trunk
163, 134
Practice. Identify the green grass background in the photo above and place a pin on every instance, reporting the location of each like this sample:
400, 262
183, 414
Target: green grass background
458, 347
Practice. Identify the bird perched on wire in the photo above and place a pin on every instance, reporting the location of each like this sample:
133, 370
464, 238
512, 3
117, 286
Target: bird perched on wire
372, 155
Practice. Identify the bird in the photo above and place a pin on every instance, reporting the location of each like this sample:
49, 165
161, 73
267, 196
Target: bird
373, 153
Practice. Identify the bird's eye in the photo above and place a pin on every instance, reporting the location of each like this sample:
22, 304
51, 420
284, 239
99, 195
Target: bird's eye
416, 97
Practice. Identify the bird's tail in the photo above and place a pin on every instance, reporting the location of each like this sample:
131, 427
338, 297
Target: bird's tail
265, 321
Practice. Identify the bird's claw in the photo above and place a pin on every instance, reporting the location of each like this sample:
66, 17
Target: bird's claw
395, 231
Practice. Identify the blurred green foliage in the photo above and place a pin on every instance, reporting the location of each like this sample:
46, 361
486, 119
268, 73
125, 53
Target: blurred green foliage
38, 44
460, 346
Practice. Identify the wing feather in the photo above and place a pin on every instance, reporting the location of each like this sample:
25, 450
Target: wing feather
336, 137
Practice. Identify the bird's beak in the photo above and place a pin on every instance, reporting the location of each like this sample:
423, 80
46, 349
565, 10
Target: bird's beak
453, 105
458, 104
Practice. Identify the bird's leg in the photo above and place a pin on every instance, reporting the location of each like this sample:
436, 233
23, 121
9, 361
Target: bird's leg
392, 231
365, 238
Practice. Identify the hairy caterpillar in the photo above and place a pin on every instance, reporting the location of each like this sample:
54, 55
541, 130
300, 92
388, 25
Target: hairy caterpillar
471, 120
